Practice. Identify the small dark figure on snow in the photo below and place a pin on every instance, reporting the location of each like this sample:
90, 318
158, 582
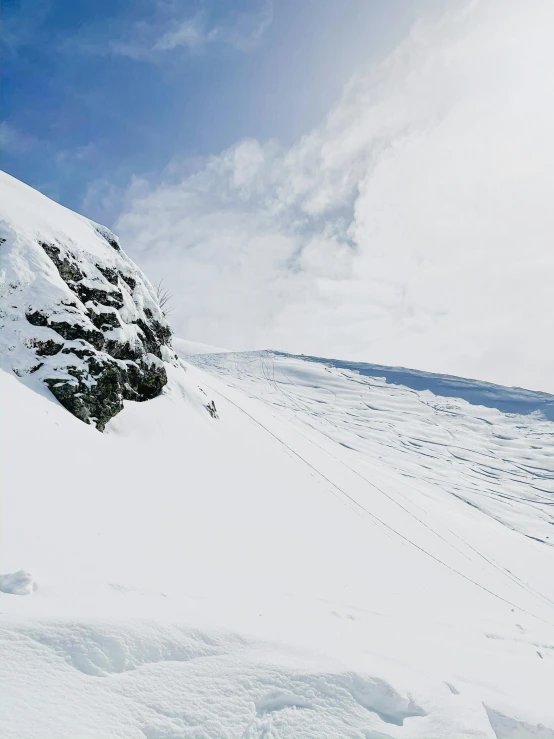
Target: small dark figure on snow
211, 409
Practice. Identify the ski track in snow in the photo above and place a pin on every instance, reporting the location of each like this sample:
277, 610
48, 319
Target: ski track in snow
501, 463
336, 555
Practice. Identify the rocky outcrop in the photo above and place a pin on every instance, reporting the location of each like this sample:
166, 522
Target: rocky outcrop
113, 341
79, 316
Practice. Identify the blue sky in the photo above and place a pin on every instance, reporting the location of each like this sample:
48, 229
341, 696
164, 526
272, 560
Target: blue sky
97, 90
360, 179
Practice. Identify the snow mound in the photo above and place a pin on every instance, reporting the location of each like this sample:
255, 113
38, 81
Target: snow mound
17, 583
77, 314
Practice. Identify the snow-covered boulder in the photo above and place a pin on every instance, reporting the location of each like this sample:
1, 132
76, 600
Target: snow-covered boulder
76, 313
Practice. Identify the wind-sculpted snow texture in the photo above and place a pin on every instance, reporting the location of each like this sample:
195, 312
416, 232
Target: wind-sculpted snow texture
490, 446
307, 565
76, 313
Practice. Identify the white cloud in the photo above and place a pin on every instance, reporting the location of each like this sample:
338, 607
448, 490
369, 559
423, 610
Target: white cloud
186, 33
147, 41
14, 141
412, 227
244, 33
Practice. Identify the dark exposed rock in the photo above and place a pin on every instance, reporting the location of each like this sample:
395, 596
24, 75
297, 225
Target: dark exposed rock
46, 348
163, 333
102, 367
95, 401
148, 338
154, 334
110, 273
124, 349
83, 353
68, 270
72, 331
105, 320
108, 236
86, 292
97, 395
146, 379
113, 243
129, 280
66, 330
37, 318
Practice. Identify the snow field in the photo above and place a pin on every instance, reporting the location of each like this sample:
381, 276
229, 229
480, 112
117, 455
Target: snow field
298, 567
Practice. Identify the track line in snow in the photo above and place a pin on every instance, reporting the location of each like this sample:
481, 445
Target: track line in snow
492, 562
379, 521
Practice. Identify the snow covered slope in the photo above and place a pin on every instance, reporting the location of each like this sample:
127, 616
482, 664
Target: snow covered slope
490, 446
186, 348
340, 553
76, 313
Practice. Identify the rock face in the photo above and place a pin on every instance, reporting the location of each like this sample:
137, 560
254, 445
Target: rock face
76, 313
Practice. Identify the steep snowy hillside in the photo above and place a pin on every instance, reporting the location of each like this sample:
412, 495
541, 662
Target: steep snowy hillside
305, 565
76, 313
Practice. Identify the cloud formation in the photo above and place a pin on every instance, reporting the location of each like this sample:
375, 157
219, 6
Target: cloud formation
13, 140
412, 227
149, 40
244, 32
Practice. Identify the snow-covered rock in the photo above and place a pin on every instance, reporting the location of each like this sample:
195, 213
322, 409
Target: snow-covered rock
76, 313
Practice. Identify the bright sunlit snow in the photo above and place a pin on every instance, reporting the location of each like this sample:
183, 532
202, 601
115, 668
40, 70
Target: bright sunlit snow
206, 537
336, 555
